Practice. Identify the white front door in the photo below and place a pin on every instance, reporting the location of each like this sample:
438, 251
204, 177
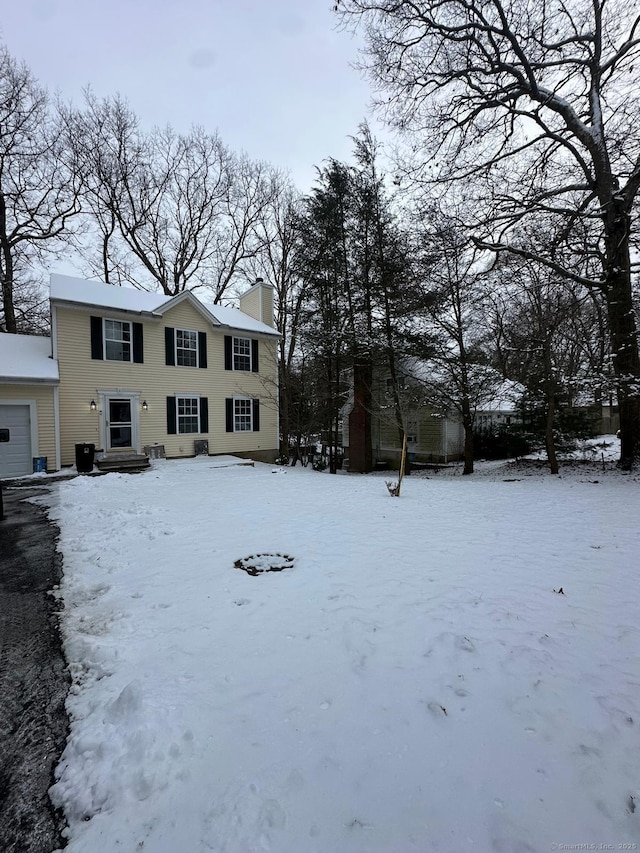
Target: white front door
119, 422
120, 425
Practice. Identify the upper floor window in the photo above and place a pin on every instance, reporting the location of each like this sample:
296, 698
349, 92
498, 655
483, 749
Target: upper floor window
241, 354
116, 340
186, 348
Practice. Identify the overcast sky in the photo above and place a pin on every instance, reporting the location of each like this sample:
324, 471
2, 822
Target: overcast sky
272, 76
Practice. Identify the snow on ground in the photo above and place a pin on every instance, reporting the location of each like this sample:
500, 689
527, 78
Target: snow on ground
416, 682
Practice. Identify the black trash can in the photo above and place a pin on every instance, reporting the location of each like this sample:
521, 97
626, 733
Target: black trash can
84, 457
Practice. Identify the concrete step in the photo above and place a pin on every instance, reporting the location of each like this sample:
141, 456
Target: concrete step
121, 462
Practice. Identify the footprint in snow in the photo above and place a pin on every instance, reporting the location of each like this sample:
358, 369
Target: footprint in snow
437, 709
358, 646
465, 644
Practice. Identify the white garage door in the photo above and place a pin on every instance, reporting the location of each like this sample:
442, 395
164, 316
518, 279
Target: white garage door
15, 454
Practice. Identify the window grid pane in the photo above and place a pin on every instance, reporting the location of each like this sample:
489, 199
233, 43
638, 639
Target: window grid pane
186, 348
117, 340
242, 411
242, 354
188, 420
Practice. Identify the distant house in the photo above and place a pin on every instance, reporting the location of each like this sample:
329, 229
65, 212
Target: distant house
600, 411
432, 424
126, 369
501, 409
432, 434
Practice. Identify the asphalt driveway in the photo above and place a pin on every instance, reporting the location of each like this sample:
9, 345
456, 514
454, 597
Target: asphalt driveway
33, 676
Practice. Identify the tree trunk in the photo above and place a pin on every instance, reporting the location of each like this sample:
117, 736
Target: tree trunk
548, 435
626, 365
467, 423
7, 304
624, 335
360, 449
7, 272
283, 408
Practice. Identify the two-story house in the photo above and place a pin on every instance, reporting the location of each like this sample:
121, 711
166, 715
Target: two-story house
137, 369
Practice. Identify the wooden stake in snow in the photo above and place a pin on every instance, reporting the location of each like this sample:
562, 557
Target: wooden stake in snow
394, 488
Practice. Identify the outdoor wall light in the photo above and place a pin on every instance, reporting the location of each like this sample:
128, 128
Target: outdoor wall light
92, 405
144, 406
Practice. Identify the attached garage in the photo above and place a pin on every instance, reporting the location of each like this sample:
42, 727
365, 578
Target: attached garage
16, 458
28, 405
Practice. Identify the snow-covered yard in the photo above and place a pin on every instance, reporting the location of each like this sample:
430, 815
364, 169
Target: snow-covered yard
415, 682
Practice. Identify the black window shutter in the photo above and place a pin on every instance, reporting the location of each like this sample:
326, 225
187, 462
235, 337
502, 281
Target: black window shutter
228, 352
254, 356
202, 349
171, 416
256, 415
228, 410
169, 346
96, 338
138, 347
204, 414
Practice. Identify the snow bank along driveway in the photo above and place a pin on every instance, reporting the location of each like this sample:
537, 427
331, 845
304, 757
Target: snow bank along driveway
413, 683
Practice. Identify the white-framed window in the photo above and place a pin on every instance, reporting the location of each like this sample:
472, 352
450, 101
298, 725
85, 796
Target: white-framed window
412, 431
242, 353
188, 414
117, 340
186, 348
400, 381
242, 414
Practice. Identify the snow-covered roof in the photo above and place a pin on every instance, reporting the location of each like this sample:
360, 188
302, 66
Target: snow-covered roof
237, 319
64, 288
505, 398
27, 358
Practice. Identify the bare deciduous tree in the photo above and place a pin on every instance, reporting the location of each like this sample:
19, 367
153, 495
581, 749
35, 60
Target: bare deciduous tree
537, 325
537, 102
38, 194
174, 211
277, 263
450, 319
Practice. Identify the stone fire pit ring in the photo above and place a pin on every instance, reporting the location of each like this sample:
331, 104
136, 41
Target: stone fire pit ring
260, 564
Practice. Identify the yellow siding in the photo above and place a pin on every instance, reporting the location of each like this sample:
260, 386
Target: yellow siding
81, 378
437, 440
250, 303
267, 305
42, 395
258, 303
388, 430
429, 433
